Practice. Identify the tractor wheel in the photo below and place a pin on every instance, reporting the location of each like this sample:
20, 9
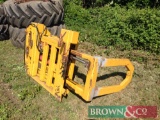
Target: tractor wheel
3, 19
4, 34
18, 35
56, 30
22, 14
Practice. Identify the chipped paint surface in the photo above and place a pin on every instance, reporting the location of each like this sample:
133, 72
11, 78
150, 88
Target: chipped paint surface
101, 61
76, 53
94, 92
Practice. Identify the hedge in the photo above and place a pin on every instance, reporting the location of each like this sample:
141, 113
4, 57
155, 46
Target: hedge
119, 27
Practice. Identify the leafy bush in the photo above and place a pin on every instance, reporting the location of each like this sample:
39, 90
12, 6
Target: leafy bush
129, 3
116, 26
1, 1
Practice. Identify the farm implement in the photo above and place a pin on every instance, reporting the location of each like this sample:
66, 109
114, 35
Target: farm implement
50, 60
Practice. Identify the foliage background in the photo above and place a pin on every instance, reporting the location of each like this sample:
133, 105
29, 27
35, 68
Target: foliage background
123, 24
1, 1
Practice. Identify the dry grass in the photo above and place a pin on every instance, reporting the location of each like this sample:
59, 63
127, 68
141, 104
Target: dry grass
25, 99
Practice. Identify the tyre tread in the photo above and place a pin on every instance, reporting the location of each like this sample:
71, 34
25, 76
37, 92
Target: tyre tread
21, 15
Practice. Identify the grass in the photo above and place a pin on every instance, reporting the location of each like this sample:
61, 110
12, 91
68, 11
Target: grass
23, 98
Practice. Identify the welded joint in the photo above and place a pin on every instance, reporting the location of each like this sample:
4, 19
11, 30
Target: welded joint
101, 61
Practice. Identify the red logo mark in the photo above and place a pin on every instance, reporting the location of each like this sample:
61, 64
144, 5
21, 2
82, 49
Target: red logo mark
141, 112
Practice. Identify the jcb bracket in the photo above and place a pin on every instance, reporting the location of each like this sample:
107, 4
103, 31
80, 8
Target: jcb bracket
50, 61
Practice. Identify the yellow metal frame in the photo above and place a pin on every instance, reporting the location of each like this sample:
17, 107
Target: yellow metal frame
48, 61
89, 90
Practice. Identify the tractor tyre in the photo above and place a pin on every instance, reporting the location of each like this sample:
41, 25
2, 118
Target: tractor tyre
56, 30
22, 14
18, 35
3, 19
4, 34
